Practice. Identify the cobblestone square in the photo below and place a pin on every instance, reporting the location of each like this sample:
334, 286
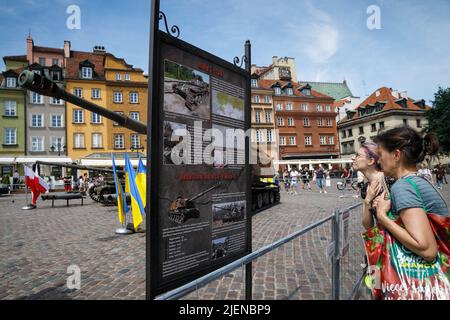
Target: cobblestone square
38, 246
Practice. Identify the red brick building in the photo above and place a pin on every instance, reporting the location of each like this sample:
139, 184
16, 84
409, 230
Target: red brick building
306, 121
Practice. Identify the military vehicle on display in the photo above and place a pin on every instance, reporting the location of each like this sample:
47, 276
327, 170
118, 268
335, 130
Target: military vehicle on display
265, 190
193, 92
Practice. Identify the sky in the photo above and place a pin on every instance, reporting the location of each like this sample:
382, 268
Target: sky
329, 39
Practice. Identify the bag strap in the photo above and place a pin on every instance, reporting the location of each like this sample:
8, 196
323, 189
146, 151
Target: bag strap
411, 182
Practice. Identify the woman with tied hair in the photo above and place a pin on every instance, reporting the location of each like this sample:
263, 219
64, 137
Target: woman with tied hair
400, 150
366, 162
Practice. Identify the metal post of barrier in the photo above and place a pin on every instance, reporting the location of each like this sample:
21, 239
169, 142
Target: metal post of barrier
335, 267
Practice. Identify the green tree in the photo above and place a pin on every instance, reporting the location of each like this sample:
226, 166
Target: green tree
439, 118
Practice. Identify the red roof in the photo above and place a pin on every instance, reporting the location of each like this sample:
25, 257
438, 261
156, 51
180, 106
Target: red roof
340, 103
384, 94
73, 63
48, 50
267, 84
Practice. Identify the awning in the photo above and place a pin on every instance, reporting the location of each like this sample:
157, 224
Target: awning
50, 159
7, 160
108, 162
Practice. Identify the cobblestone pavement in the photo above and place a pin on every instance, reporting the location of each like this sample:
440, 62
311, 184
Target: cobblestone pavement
37, 247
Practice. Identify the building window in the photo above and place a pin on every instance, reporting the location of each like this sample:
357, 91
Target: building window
306, 92
282, 141
308, 140
266, 99
78, 92
78, 139
292, 140
117, 97
78, 116
277, 91
289, 91
331, 140
134, 116
306, 122
96, 118
254, 83
374, 127
269, 135
134, 97
381, 124
118, 112
56, 101
256, 99
279, 106
10, 108
320, 122
135, 141
280, 121
268, 117
127, 77
55, 75
37, 144
258, 116
405, 122
418, 123
344, 134
37, 120
86, 73
118, 77
361, 130
36, 98
119, 141
95, 93
304, 107
55, 62
10, 136
290, 122
289, 106
258, 136
97, 140
42, 61
327, 108
319, 108
323, 140
11, 82
350, 132
329, 123
56, 120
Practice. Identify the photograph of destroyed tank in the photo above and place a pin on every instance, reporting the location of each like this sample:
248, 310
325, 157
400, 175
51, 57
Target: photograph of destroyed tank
186, 91
219, 248
228, 213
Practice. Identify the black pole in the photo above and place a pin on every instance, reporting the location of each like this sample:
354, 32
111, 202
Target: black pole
152, 153
248, 267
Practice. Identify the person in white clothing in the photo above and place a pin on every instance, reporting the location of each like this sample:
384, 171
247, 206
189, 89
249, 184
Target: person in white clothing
294, 180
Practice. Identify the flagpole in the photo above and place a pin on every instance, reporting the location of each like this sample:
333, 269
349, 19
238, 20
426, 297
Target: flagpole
28, 206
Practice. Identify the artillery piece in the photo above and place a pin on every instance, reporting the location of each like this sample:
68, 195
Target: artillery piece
232, 213
193, 92
182, 209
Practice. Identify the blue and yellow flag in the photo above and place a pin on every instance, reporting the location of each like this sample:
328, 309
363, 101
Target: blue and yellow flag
141, 181
137, 207
122, 205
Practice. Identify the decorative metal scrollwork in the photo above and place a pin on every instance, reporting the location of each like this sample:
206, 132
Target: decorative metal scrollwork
174, 30
239, 63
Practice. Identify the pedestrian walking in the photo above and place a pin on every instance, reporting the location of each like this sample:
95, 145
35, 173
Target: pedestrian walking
440, 175
294, 180
286, 180
320, 179
305, 176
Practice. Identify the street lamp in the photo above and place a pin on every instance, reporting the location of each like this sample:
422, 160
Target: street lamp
133, 148
58, 148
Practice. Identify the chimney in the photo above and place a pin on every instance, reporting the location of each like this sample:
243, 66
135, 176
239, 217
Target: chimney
66, 49
99, 49
404, 94
30, 45
395, 94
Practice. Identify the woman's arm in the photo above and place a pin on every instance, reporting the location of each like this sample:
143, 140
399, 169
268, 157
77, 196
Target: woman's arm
417, 235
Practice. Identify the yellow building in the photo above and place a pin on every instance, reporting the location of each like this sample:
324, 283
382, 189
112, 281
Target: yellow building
126, 93
86, 131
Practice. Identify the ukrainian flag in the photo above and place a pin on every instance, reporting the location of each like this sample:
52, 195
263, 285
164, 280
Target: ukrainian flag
141, 181
122, 205
137, 207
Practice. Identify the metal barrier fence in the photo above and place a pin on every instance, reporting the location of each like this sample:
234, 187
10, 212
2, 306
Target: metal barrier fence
326, 256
